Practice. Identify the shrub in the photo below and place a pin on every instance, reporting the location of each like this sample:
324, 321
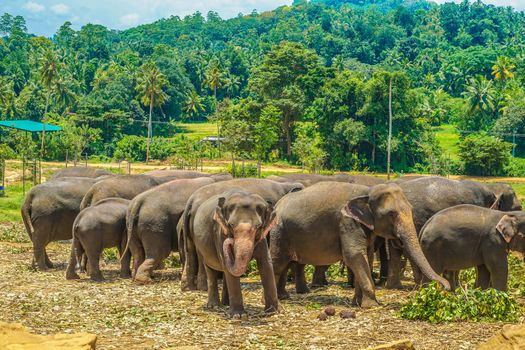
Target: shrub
250, 170
484, 155
435, 305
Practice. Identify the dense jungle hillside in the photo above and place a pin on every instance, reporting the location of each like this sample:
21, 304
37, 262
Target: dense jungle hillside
307, 83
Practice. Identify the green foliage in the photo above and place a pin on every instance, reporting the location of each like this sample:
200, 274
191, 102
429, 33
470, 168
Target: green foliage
435, 305
484, 155
308, 147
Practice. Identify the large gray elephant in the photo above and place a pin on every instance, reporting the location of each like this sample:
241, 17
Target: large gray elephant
102, 225
193, 275
329, 222
170, 175
80, 171
49, 211
312, 179
468, 236
152, 220
429, 195
228, 231
124, 186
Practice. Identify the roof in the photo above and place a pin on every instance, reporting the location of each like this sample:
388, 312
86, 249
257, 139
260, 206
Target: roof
29, 125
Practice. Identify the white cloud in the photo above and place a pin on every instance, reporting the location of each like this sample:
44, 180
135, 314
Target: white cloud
60, 9
129, 19
34, 7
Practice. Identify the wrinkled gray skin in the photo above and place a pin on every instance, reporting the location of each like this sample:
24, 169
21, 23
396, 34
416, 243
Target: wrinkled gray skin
80, 172
429, 195
193, 274
49, 211
152, 220
100, 226
228, 231
312, 179
468, 236
124, 186
170, 175
329, 222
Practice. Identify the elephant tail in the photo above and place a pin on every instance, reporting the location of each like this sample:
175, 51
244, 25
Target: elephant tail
132, 217
26, 215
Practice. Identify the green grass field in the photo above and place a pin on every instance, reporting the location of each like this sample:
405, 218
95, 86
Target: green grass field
448, 138
197, 130
11, 203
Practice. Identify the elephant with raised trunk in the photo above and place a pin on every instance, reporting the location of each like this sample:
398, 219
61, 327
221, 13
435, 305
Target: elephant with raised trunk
228, 231
97, 227
329, 222
193, 274
468, 236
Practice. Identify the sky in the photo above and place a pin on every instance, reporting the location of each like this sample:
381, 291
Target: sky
45, 16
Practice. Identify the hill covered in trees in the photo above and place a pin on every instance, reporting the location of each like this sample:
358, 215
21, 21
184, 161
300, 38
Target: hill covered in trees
307, 83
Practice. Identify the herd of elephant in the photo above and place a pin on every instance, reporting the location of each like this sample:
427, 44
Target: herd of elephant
218, 225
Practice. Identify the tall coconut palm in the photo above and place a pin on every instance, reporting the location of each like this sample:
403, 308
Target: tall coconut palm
7, 96
62, 92
503, 69
214, 79
480, 94
49, 70
193, 104
150, 82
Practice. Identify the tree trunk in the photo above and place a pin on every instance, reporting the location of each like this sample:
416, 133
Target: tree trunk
217, 121
42, 147
288, 136
389, 129
149, 127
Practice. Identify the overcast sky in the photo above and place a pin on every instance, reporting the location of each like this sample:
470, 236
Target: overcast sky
45, 16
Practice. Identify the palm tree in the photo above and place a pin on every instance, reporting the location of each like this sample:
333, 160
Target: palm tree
214, 80
49, 68
150, 82
62, 92
480, 95
193, 104
503, 69
7, 96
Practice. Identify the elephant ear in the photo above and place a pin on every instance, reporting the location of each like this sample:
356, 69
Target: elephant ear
359, 210
270, 220
218, 216
497, 202
507, 227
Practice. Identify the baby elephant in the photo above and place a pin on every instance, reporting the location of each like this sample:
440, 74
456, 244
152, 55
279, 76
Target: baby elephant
100, 226
229, 230
467, 236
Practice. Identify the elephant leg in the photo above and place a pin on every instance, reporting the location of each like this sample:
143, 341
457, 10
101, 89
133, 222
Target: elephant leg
498, 274
354, 249
262, 256
93, 255
383, 260
225, 297
350, 277
482, 277
213, 288
394, 269
76, 247
451, 277
125, 260
49, 264
39, 252
202, 283
280, 271
189, 272
319, 276
235, 295
145, 270
300, 280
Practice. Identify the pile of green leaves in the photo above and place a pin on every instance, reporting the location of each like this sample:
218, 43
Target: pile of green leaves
435, 305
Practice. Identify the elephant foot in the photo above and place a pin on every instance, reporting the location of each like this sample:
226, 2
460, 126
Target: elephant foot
302, 289
125, 274
97, 278
185, 286
237, 313
212, 305
143, 279
42, 268
368, 303
381, 282
202, 285
272, 309
282, 295
72, 276
49, 265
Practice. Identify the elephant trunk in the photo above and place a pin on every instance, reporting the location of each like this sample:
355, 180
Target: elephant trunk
238, 252
411, 244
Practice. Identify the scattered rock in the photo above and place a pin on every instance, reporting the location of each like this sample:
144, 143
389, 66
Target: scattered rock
322, 316
330, 311
404, 344
347, 314
510, 338
14, 336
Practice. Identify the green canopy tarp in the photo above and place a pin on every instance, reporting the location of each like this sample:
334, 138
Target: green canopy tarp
29, 125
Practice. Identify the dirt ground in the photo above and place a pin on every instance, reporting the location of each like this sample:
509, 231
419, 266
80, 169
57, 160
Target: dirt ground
128, 316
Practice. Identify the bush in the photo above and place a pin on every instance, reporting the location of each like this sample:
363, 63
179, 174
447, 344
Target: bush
435, 305
484, 155
516, 167
133, 148
250, 170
